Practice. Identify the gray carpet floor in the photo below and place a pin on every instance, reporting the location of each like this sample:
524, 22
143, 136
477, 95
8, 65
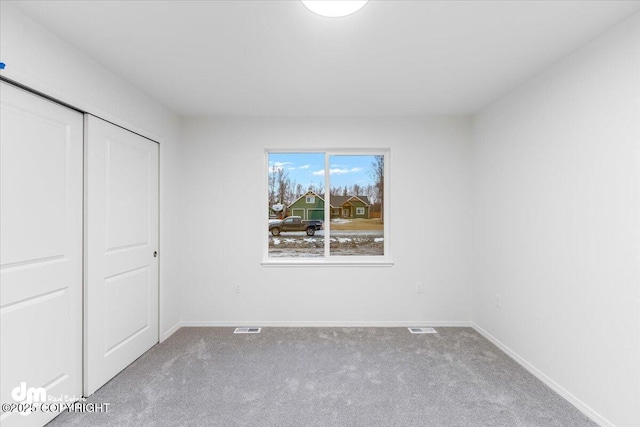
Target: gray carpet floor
326, 377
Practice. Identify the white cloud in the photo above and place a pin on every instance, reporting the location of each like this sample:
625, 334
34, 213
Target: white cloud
304, 167
338, 171
281, 164
278, 166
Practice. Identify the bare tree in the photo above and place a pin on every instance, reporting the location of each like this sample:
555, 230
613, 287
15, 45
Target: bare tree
272, 186
282, 182
290, 194
370, 192
377, 173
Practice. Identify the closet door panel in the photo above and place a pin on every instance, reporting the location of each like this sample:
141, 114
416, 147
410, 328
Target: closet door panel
41, 175
121, 263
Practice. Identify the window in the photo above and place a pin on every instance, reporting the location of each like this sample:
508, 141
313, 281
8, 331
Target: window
337, 199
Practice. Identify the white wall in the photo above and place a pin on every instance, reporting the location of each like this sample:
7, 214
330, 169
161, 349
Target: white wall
39, 59
430, 224
556, 228
557, 224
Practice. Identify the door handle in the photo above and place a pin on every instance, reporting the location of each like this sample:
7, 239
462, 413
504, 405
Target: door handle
155, 254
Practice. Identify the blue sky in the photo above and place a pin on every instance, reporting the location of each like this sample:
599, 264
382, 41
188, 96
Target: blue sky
308, 168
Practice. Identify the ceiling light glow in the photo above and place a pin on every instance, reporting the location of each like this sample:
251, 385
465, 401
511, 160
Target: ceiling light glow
334, 8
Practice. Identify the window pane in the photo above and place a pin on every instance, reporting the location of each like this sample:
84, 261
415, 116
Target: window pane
296, 205
356, 204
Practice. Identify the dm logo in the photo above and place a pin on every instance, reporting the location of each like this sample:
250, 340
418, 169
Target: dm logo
28, 395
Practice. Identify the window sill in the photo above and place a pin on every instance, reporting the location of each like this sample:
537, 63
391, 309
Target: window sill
325, 263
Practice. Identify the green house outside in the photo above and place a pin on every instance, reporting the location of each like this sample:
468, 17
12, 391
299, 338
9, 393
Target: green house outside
311, 206
350, 207
359, 209
308, 206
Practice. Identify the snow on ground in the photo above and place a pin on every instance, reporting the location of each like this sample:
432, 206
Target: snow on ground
297, 245
341, 221
351, 242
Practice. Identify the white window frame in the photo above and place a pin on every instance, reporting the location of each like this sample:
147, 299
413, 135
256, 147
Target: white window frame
359, 210
328, 259
310, 200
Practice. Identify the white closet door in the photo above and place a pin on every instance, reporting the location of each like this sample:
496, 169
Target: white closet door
121, 240
41, 250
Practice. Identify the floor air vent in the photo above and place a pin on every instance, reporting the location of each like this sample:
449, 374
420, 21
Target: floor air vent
422, 330
247, 330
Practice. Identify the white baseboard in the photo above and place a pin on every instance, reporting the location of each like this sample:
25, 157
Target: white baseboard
580, 405
326, 324
170, 332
